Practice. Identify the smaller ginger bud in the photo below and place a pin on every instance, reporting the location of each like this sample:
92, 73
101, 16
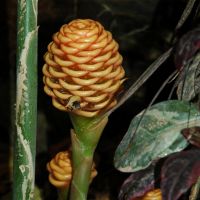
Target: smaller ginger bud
82, 70
60, 170
151, 195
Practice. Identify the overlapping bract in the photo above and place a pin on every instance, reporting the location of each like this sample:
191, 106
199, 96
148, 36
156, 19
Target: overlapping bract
60, 170
83, 68
152, 195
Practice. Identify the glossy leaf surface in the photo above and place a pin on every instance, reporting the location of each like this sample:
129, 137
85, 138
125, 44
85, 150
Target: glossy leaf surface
180, 171
155, 134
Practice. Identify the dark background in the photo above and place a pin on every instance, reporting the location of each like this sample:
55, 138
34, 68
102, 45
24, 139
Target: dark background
144, 29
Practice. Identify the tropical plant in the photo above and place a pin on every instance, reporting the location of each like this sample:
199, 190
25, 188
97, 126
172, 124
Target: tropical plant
155, 144
83, 76
161, 146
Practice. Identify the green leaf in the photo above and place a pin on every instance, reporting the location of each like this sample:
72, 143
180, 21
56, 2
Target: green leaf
155, 134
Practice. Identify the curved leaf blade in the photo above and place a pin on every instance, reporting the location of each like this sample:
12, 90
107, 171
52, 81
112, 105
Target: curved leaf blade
156, 135
176, 180
137, 184
185, 14
187, 47
192, 135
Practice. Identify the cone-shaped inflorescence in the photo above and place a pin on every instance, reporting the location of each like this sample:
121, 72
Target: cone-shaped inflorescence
60, 170
152, 195
82, 70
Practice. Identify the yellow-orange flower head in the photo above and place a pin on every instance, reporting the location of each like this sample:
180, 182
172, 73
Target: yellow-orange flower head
60, 170
152, 195
82, 70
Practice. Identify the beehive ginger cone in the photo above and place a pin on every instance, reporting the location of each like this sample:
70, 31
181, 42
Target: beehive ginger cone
60, 170
83, 69
155, 194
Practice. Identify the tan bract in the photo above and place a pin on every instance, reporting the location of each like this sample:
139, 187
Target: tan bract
83, 69
60, 170
152, 195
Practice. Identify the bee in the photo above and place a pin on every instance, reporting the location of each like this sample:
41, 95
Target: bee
73, 103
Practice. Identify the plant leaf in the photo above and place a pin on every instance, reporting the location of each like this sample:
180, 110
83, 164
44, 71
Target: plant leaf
185, 14
188, 87
192, 135
187, 47
180, 171
137, 184
155, 134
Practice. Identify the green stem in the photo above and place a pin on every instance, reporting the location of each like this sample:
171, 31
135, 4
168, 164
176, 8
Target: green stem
85, 137
63, 193
26, 101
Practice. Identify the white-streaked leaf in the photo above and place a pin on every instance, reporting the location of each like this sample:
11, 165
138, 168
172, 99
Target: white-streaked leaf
155, 134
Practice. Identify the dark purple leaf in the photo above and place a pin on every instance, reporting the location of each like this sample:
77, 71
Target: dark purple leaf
187, 47
179, 172
192, 135
137, 184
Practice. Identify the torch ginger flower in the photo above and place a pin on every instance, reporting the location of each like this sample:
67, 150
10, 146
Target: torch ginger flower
82, 70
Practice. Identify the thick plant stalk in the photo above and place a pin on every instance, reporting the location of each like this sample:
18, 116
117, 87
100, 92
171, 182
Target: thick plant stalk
26, 109
85, 137
63, 194
83, 74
